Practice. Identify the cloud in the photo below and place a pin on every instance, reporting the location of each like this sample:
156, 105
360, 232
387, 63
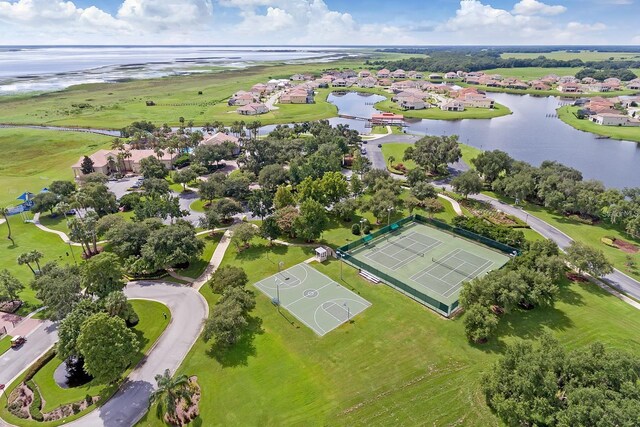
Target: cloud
579, 26
167, 14
535, 7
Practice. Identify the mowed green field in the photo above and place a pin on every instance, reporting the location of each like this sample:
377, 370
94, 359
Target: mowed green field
32, 158
584, 55
396, 364
532, 73
397, 150
567, 115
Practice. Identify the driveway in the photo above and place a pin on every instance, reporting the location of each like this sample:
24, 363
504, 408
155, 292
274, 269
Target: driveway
121, 186
188, 311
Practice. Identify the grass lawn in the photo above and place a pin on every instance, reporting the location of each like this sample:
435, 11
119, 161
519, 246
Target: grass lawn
5, 344
435, 113
567, 115
198, 205
28, 238
397, 151
148, 330
197, 267
382, 130
588, 234
584, 55
396, 364
532, 73
33, 158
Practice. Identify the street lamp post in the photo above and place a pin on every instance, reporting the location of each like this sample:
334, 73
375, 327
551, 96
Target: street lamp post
362, 221
389, 209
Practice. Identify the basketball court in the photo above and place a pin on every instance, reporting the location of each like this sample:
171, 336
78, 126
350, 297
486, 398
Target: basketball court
313, 298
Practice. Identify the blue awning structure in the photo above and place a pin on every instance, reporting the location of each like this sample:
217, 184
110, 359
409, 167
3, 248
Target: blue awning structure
26, 196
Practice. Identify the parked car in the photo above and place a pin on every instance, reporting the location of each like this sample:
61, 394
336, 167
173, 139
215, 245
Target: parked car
17, 341
379, 145
363, 151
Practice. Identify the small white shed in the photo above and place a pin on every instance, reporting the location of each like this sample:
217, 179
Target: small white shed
321, 254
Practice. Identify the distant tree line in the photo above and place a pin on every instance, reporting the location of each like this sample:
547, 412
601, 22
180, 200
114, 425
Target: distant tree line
443, 61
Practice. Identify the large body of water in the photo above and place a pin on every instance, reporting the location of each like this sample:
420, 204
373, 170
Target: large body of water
38, 68
531, 134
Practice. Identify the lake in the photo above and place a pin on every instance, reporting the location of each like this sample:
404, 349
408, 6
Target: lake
531, 134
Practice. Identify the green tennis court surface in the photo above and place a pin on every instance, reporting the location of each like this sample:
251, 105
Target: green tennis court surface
427, 259
313, 298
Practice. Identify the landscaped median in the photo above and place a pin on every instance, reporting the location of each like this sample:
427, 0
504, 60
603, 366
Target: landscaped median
568, 114
72, 403
435, 113
397, 149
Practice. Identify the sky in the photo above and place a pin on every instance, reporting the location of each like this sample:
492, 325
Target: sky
320, 22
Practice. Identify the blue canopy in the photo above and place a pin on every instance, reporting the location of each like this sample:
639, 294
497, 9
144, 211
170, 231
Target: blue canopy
26, 196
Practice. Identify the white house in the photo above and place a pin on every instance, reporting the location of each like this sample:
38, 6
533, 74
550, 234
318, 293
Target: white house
611, 119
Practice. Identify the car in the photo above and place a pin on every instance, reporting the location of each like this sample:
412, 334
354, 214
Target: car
364, 141
363, 151
17, 341
379, 145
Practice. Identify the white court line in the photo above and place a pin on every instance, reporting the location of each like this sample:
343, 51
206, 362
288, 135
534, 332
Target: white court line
475, 274
303, 297
446, 293
327, 311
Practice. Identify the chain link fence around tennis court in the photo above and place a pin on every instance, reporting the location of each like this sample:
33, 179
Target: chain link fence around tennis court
438, 306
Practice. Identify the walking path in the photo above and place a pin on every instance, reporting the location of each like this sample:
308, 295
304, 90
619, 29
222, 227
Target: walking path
216, 260
454, 204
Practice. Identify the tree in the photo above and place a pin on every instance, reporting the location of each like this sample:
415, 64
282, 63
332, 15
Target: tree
243, 233
272, 176
237, 186
229, 317
128, 238
10, 286
334, 186
588, 259
62, 189
86, 166
283, 197
45, 201
286, 219
228, 277
269, 229
107, 346
479, 323
356, 187
492, 164
211, 220
155, 187
434, 152
466, 183
116, 304
260, 203
70, 326
170, 391
58, 288
227, 208
103, 274
211, 188
169, 246
391, 160
382, 203
345, 209
422, 190
151, 167
184, 176
5, 215
97, 196
108, 222
29, 258
312, 220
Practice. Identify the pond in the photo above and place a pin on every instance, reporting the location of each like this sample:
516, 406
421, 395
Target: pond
532, 133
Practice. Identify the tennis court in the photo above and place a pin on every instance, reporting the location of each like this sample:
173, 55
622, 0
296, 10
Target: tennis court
313, 298
431, 261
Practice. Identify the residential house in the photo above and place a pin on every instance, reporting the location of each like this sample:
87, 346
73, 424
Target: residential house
399, 74
383, 74
220, 138
242, 98
364, 73
451, 75
403, 85
634, 84
106, 161
569, 87
367, 82
339, 83
385, 82
588, 81
298, 95
259, 89
435, 76
540, 86
611, 119
412, 103
253, 109
348, 74
297, 77
452, 105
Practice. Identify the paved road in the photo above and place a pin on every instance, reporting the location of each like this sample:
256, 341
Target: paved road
188, 311
13, 362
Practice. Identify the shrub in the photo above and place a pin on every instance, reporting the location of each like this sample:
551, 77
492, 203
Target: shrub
366, 229
75, 408
355, 229
499, 233
36, 406
608, 241
33, 369
182, 161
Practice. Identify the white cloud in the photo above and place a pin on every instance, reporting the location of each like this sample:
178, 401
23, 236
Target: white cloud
535, 7
167, 14
579, 26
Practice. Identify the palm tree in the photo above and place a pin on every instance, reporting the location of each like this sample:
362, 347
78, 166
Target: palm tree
391, 160
36, 256
5, 214
159, 152
169, 392
25, 258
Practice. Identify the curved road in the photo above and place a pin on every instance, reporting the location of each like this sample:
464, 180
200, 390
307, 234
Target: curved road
188, 309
